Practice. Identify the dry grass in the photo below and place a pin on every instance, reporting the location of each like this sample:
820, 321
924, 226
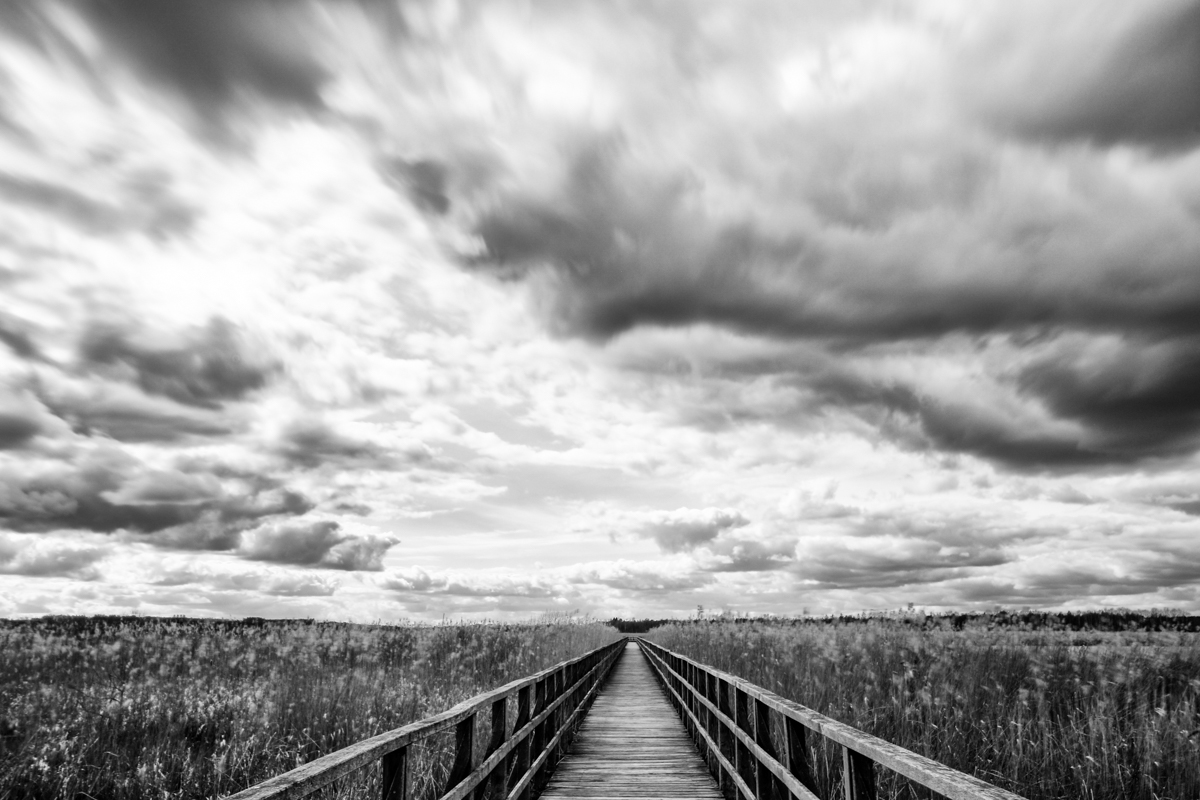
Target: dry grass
125, 709
1102, 716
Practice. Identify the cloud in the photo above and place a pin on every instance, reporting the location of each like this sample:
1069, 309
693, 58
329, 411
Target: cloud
467, 584
1140, 397
750, 555
147, 205
288, 583
310, 442
211, 366
423, 181
1105, 75
217, 55
39, 557
110, 491
20, 420
314, 543
688, 528
640, 577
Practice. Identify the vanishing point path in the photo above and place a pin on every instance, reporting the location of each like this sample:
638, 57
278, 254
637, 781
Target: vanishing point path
632, 744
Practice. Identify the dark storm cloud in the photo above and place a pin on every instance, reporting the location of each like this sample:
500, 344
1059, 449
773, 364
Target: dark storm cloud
1140, 397
212, 366
136, 422
627, 248
216, 53
311, 442
422, 180
1141, 88
614, 249
17, 427
839, 565
18, 342
314, 543
110, 492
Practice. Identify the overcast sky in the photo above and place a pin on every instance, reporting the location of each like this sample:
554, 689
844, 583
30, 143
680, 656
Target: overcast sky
352, 309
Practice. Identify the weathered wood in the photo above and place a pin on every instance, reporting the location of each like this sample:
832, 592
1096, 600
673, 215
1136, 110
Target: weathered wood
768, 787
745, 762
592, 679
949, 782
631, 745
521, 757
858, 776
498, 777
464, 753
394, 784
796, 753
765, 761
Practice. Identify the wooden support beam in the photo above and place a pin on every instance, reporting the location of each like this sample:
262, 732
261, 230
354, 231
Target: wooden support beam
499, 777
394, 784
858, 775
796, 753
464, 753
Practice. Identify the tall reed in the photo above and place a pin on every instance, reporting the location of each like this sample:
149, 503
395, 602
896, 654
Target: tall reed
1106, 716
132, 709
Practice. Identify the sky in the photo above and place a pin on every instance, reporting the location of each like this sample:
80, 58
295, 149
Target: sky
378, 310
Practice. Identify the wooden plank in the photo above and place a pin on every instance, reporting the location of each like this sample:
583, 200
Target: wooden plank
632, 744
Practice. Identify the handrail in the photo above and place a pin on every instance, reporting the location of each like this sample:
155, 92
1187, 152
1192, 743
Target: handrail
743, 757
549, 703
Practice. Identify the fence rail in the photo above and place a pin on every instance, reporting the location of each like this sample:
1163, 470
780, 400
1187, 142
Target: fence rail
549, 706
730, 721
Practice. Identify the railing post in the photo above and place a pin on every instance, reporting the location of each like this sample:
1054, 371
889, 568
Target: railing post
520, 756
796, 753
745, 763
727, 740
499, 733
395, 775
714, 726
540, 736
858, 775
768, 787
464, 752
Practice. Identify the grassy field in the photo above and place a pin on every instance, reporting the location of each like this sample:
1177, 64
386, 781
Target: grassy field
132, 709
1043, 713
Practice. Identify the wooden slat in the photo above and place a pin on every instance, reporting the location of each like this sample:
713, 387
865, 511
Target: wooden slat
949, 782
632, 745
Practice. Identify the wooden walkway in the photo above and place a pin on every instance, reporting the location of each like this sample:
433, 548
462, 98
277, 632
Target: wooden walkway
631, 745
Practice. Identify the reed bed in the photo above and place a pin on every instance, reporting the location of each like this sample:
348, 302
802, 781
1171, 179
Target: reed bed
1048, 715
132, 709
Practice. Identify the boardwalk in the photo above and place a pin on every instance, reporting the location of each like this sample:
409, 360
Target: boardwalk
632, 745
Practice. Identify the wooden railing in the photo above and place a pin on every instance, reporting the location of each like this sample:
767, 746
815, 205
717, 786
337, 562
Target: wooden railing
550, 705
730, 720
